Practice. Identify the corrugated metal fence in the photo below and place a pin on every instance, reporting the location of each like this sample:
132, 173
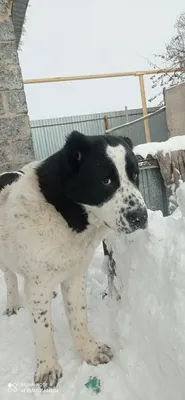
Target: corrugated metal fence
49, 134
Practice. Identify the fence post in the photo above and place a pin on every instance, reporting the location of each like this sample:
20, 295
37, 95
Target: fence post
144, 106
106, 122
127, 120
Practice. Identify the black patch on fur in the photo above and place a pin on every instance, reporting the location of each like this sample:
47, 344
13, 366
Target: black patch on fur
75, 175
129, 142
52, 176
131, 161
132, 168
8, 178
85, 185
43, 312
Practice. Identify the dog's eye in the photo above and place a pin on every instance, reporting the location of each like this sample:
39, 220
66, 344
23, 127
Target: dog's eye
106, 181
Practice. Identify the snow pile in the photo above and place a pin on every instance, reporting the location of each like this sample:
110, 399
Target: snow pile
146, 328
150, 321
172, 144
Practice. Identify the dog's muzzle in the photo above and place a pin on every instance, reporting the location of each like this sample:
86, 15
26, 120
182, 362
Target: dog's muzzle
138, 219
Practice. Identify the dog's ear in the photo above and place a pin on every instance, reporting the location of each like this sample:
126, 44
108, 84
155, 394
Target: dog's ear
78, 148
128, 142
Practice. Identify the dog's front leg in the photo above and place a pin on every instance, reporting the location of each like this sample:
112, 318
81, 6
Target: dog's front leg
74, 297
39, 299
13, 300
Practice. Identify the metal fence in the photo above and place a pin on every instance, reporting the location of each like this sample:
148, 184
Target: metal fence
139, 74
49, 135
134, 127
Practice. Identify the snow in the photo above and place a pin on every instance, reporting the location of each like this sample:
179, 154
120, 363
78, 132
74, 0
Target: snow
172, 144
146, 328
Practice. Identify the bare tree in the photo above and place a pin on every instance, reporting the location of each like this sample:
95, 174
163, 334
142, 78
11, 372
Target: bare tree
173, 57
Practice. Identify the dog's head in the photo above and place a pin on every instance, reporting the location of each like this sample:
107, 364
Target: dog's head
104, 178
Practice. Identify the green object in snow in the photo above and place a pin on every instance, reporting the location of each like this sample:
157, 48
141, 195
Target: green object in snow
94, 384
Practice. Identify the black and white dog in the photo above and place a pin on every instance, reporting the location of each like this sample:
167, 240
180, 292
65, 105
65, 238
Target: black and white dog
53, 215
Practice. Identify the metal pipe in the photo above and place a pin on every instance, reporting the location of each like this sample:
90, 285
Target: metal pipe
99, 76
136, 120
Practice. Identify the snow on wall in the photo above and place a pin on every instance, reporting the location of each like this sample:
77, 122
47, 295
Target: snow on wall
149, 323
172, 144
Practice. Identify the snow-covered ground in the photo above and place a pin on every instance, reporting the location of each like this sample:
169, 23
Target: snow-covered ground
146, 329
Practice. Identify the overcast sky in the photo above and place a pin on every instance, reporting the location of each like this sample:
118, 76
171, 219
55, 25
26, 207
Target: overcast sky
70, 37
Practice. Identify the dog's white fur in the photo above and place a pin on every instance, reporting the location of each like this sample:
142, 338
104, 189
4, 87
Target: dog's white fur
111, 211
36, 242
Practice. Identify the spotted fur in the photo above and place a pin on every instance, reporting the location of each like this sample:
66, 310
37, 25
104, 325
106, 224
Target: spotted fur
52, 218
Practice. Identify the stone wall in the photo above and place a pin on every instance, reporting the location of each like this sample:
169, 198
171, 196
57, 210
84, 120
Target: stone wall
175, 109
16, 147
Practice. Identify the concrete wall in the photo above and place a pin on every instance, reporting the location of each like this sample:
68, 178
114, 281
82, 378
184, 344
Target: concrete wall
16, 146
175, 109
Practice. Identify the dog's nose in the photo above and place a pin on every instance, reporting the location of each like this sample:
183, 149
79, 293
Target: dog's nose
138, 219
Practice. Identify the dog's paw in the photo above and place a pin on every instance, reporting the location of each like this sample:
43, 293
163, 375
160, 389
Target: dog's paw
11, 311
47, 376
97, 353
